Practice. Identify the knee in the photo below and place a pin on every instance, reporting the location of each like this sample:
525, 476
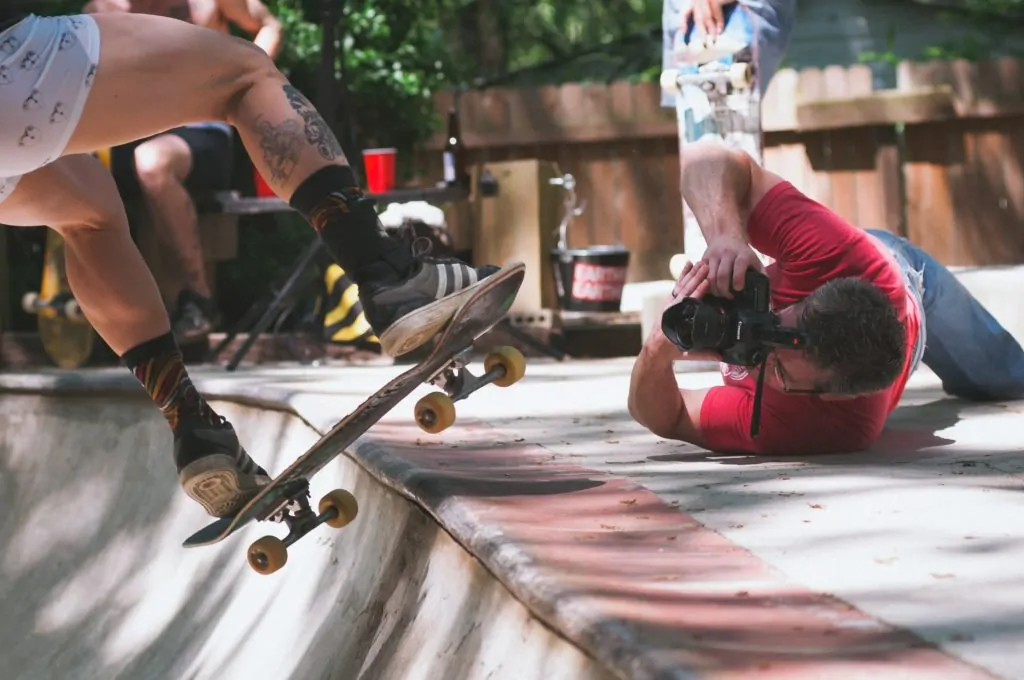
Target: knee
89, 201
251, 67
159, 163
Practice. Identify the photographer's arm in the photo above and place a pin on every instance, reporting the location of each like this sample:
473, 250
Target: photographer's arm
740, 205
722, 185
655, 400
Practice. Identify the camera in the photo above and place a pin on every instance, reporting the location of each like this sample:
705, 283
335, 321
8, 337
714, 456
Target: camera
742, 329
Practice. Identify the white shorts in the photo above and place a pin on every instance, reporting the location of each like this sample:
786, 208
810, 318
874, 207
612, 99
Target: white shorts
47, 65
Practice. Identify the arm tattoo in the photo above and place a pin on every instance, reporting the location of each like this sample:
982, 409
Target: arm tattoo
317, 132
281, 145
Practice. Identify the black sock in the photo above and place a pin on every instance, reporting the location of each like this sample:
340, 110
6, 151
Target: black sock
347, 223
159, 366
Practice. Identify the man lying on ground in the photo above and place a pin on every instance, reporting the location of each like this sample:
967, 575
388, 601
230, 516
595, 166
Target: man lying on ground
872, 305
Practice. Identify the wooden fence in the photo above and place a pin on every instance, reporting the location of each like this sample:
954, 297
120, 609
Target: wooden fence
951, 180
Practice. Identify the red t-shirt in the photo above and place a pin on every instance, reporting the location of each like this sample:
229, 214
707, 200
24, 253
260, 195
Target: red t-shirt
811, 245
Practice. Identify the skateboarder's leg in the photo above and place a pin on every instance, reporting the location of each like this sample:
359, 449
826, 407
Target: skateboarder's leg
77, 197
154, 73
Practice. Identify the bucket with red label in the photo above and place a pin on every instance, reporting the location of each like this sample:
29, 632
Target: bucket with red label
590, 279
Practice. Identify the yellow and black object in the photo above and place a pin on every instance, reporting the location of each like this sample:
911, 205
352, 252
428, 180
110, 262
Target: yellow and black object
65, 333
344, 320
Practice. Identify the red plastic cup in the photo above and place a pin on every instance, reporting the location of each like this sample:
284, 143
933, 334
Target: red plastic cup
380, 169
263, 189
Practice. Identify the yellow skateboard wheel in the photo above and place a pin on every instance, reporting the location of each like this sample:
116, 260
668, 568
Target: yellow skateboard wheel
509, 358
344, 504
435, 412
267, 555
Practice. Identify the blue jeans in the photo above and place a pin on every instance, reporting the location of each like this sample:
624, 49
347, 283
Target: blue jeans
974, 356
775, 21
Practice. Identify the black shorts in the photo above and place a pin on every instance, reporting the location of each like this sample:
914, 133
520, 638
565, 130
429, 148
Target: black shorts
212, 161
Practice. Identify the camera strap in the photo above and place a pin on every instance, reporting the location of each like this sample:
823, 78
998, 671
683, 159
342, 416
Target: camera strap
755, 419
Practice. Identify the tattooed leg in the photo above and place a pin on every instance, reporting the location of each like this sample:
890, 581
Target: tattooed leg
314, 127
215, 77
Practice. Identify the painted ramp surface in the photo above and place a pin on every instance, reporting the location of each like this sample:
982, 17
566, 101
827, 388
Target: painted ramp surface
95, 585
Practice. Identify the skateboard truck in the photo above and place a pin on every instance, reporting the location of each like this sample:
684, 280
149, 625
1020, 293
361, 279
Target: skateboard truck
285, 499
63, 306
436, 411
339, 507
739, 76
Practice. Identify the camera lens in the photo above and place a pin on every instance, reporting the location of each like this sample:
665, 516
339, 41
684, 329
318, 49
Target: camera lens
677, 323
710, 327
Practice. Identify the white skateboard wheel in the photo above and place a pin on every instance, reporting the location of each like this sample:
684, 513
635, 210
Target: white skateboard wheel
28, 302
741, 75
676, 264
72, 310
669, 80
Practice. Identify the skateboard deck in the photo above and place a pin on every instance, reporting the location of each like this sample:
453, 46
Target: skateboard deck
67, 337
285, 499
715, 85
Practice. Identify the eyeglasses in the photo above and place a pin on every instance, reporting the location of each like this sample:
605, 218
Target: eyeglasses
781, 377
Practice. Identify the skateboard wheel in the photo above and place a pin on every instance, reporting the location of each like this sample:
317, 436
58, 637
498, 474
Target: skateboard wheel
435, 412
28, 302
741, 75
72, 310
344, 504
668, 81
509, 358
267, 555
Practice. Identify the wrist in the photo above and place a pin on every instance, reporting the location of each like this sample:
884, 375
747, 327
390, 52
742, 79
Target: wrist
727, 228
659, 349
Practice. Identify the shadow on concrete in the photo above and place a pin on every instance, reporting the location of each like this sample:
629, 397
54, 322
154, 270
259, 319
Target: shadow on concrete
86, 498
96, 585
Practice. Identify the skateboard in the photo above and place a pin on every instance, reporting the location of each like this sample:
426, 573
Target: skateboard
67, 337
717, 94
286, 498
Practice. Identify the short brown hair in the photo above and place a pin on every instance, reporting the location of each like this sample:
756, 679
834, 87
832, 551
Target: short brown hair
855, 336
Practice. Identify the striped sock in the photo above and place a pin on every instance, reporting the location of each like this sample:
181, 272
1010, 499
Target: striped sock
346, 221
158, 365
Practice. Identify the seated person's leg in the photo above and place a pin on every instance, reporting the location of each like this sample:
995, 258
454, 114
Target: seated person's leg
155, 73
77, 197
974, 356
169, 169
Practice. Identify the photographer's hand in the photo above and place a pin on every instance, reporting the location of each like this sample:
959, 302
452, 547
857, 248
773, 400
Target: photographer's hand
692, 283
728, 258
722, 185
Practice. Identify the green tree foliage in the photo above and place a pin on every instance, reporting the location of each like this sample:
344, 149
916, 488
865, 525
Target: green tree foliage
394, 55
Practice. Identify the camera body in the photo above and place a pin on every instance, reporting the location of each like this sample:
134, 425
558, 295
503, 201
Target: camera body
742, 329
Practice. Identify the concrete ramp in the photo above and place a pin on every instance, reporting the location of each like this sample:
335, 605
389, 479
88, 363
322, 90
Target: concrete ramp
95, 584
